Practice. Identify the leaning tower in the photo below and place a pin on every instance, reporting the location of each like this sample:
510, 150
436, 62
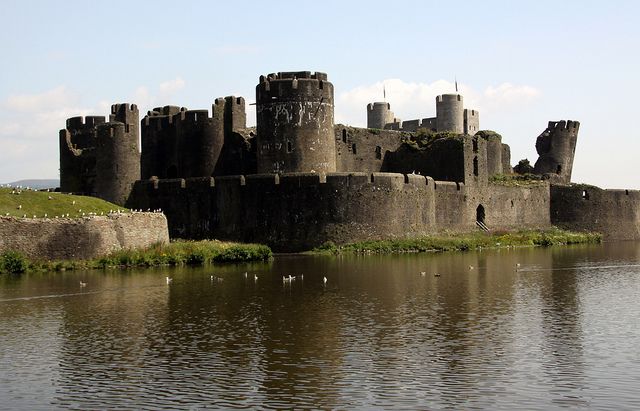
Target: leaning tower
295, 123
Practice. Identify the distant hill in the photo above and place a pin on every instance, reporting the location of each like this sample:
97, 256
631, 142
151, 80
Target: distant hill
37, 183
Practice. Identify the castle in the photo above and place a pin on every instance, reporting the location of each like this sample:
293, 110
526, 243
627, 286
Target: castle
297, 180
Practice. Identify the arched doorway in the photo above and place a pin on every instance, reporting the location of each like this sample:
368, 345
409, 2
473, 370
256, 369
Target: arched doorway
172, 172
480, 214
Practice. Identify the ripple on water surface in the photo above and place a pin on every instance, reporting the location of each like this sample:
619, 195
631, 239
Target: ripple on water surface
558, 331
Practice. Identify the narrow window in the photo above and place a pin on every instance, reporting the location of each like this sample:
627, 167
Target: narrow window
475, 166
558, 169
126, 128
344, 135
353, 148
289, 147
378, 153
475, 145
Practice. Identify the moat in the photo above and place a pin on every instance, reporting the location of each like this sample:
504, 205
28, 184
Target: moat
561, 330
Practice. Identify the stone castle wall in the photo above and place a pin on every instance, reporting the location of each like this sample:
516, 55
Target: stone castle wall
298, 211
614, 213
81, 238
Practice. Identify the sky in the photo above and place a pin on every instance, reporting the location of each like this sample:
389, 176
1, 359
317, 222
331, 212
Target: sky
520, 64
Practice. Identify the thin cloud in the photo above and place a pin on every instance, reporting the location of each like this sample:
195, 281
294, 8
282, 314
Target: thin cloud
171, 86
58, 96
417, 100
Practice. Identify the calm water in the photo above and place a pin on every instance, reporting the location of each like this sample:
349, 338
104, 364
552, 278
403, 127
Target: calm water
560, 332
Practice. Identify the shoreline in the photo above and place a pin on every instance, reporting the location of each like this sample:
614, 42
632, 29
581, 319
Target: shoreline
205, 252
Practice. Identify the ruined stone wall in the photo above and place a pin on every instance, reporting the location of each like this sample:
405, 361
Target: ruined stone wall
506, 159
556, 148
364, 150
78, 155
298, 211
85, 238
614, 213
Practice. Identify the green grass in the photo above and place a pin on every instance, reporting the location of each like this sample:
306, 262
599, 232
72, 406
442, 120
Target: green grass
513, 180
175, 253
462, 242
31, 203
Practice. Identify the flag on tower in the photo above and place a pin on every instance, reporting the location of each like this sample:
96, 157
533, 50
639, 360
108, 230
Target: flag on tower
384, 92
456, 81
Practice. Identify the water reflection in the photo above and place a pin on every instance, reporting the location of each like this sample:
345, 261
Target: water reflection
557, 331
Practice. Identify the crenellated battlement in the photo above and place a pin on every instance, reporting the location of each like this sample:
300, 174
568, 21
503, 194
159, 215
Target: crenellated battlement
377, 181
123, 108
165, 111
448, 98
112, 129
378, 105
79, 122
564, 125
294, 75
289, 87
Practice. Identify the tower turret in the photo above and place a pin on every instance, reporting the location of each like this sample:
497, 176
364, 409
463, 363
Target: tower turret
295, 123
556, 148
77, 154
450, 113
118, 154
379, 114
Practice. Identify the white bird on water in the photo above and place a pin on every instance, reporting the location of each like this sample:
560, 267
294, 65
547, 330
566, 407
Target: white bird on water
255, 277
423, 273
324, 280
83, 284
169, 279
470, 267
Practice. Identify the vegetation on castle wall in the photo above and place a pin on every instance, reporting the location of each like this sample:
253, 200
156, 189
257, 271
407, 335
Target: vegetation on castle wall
486, 134
22, 202
523, 167
462, 242
514, 180
175, 253
423, 138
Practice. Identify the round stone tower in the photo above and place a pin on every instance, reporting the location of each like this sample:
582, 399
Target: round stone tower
379, 114
118, 155
450, 113
295, 123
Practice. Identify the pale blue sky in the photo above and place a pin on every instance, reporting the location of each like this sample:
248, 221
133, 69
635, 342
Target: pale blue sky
519, 64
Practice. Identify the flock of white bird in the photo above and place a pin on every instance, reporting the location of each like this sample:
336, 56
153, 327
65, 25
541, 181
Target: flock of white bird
288, 279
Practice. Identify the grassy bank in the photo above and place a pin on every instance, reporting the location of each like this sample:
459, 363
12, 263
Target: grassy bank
21, 202
172, 254
463, 242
